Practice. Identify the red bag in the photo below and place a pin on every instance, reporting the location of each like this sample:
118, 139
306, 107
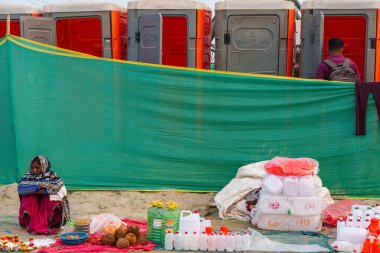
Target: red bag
340, 209
283, 166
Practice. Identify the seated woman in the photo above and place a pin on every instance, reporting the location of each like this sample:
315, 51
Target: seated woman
43, 199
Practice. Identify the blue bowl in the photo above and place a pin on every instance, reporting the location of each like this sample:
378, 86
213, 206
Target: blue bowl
74, 241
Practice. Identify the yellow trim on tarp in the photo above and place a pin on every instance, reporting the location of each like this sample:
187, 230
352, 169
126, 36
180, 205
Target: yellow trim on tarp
86, 56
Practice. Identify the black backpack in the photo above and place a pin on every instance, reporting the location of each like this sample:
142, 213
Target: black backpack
342, 72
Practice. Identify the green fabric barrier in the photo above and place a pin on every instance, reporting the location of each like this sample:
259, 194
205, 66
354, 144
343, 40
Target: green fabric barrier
121, 125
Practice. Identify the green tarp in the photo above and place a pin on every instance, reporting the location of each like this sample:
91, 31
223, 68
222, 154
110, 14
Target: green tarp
121, 125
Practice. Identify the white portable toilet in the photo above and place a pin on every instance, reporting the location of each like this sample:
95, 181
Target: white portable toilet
357, 23
15, 11
96, 28
170, 32
255, 36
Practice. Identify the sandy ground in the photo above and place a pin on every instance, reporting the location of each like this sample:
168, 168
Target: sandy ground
125, 204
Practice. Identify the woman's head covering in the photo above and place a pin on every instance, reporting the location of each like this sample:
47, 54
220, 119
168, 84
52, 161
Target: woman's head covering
47, 179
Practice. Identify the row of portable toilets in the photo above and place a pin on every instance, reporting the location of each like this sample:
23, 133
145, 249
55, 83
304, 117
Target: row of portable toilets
254, 36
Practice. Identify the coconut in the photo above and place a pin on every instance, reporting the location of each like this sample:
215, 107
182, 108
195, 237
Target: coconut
134, 229
109, 240
131, 238
121, 232
141, 239
122, 243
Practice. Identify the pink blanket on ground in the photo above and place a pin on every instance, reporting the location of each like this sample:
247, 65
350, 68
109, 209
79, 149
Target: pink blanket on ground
92, 246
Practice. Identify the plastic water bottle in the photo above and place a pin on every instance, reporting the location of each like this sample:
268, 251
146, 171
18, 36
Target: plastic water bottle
169, 239
211, 242
350, 221
339, 225
205, 222
186, 241
221, 241
369, 212
358, 223
357, 213
203, 241
194, 241
178, 241
238, 242
366, 223
230, 242
246, 241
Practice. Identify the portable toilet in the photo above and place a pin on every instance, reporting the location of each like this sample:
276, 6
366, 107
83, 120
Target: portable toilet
357, 23
15, 11
95, 28
170, 32
255, 36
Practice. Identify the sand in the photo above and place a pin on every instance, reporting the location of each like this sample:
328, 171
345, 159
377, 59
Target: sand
125, 204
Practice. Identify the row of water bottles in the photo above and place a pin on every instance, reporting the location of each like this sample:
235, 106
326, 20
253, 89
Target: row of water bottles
207, 242
360, 216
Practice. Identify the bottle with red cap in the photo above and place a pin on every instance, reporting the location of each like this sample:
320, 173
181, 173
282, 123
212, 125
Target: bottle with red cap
246, 241
376, 246
178, 241
238, 242
186, 241
194, 241
367, 246
211, 242
221, 242
169, 239
230, 242
203, 241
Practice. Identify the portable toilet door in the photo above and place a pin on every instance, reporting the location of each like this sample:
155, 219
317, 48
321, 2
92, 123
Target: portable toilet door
94, 28
355, 22
255, 36
185, 33
16, 11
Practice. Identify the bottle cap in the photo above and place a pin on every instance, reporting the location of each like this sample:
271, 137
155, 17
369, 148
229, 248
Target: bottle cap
195, 232
186, 233
245, 232
238, 233
203, 233
169, 232
196, 211
177, 232
221, 233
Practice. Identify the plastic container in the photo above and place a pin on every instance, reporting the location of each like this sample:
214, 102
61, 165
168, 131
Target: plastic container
290, 187
224, 229
367, 247
369, 212
306, 205
221, 242
339, 225
311, 223
374, 226
366, 223
350, 222
169, 241
177, 240
354, 235
343, 246
186, 241
151, 210
203, 241
170, 219
82, 237
376, 246
189, 222
157, 227
306, 186
273, 184
357, 213
270, 204
211, 242
204, 222
230, 242
358, 223
194, 241
69, 227
246, 239
238, 242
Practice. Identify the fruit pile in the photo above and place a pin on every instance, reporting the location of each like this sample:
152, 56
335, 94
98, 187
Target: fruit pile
124, 237
11, 243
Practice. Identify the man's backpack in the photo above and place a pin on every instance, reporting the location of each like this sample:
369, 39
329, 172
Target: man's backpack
342, 72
